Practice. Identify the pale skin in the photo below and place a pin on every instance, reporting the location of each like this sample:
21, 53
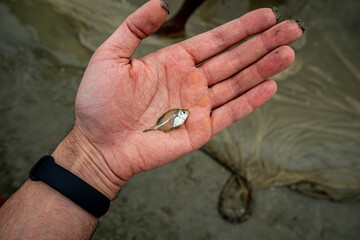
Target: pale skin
119, 98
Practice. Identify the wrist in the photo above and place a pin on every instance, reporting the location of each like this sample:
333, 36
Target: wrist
79, 156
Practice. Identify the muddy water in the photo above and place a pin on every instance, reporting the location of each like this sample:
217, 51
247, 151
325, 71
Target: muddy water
309, 135
44, 49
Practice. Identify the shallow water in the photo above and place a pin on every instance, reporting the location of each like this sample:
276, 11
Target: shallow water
310, 131
44, 49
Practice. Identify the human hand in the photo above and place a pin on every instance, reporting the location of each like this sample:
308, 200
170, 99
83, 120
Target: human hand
119, 98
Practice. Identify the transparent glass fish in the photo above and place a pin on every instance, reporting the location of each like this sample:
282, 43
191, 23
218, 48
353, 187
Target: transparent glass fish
170, 120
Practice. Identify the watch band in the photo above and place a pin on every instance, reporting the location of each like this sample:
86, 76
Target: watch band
70, 186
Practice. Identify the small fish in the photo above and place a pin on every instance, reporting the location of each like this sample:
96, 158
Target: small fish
170, 120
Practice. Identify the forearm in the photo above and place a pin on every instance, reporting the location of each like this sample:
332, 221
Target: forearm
37, 211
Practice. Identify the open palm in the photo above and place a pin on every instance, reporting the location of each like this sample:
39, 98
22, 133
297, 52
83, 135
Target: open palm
119, 98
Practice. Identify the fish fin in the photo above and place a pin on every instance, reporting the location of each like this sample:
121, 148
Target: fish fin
171, 112
168, 130
165, 130
159, 119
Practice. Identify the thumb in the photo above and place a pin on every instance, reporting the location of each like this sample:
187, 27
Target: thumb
138, 26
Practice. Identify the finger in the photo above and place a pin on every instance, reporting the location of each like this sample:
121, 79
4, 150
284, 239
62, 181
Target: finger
139, 25
271, 64
250, 51
208, 44
238, 108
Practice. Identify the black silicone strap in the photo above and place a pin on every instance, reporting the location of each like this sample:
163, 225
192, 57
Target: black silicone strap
70, 186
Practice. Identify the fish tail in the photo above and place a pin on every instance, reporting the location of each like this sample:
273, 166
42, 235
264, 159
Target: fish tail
148, 130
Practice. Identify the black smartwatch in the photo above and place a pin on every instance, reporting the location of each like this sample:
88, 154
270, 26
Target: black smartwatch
70, 186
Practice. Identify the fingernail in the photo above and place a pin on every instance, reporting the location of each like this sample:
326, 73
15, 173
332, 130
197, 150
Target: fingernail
165, 5
277, 14
301, 24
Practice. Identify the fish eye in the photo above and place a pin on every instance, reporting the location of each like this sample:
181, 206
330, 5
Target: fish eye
183, 112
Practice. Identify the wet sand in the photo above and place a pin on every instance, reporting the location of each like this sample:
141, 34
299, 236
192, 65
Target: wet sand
44, 49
